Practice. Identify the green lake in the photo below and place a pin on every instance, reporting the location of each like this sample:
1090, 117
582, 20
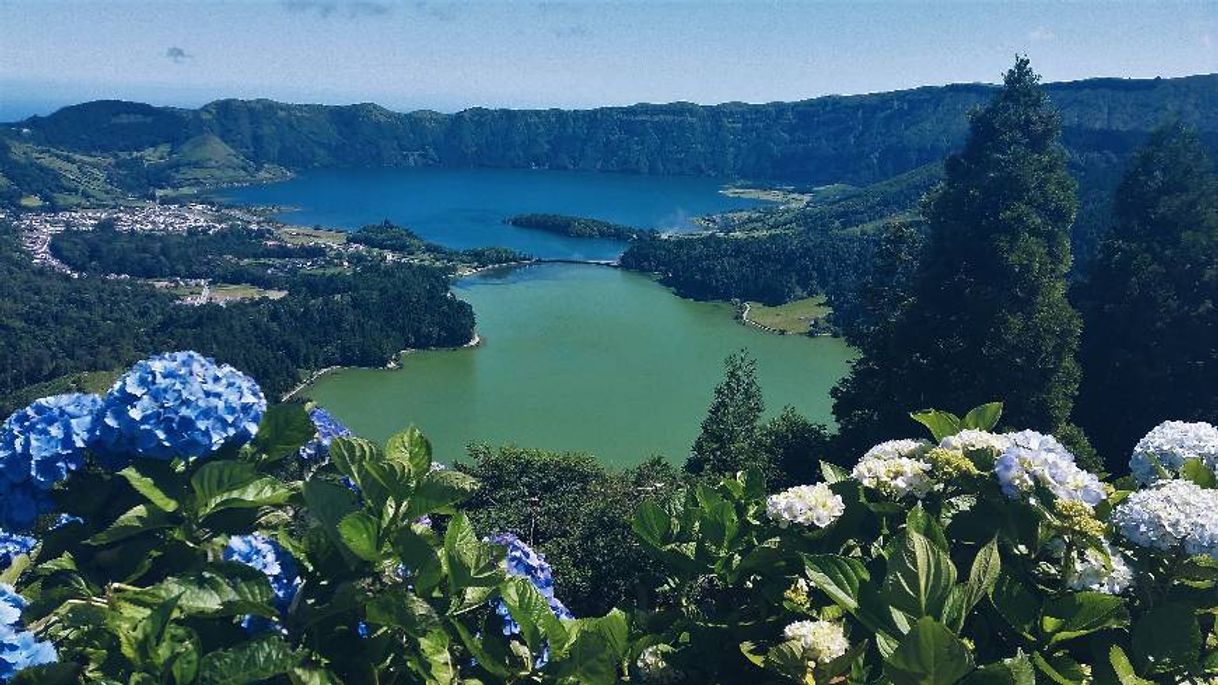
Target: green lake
583, 358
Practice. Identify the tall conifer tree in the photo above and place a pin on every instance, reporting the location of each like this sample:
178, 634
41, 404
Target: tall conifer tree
1150, 344
988, 317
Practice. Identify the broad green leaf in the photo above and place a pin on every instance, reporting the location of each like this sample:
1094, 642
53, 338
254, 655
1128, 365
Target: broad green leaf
1060, 668
1123, 668
929, 654
216, 477
920, 576
652, 524
361, 533
285, 428
421, 558
437, 659
259, 659
982, 577
832, 473
1166, 639
984, 417
48, 674
1019, 607
531, 610
940, 423
312, 675
1082, 613
401, 608
485, 652
437, 492
139, 519
591, 658
329, 503
838, 577
470, 564
148, 488
1195, 470
410, 447
920, 521
1016, 670
787, 659
261, 492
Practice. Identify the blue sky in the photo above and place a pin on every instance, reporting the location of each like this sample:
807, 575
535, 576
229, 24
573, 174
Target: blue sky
446, 56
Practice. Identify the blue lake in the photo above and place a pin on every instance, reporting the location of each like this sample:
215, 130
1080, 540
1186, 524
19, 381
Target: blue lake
463, 208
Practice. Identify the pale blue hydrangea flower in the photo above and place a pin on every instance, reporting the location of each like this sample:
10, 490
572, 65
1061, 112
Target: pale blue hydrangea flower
1170, 516
1034, 459
39, 446
180, 404
19, 648
1170, 444
12, 546
264, 554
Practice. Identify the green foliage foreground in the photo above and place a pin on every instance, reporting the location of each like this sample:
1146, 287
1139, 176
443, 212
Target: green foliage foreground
976, 557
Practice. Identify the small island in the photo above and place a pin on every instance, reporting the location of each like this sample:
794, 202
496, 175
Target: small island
578, 227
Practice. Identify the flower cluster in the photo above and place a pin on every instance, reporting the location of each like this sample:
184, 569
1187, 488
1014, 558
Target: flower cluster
805, 505
973, 440
19, 648
1171, 515
12, 546
822, 641
1171, 443
180, 404
896, 468
1099, 571
653, 667
39, 446
328, 428
522, 561
1036, 460
264, 554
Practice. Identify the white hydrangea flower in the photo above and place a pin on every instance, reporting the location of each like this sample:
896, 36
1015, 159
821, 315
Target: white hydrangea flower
653, 667
822, 641
805, 505
896, 468
1170, 444
1037, 459
1099, 571
973, 440
1172, 514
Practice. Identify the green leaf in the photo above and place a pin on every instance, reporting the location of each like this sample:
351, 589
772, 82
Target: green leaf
531, 610
261, 492
982, 577
48, 674
595, 648
1195, 470
437, 492
1166, 639
217, 477
285, 428
920, 521
410, 447
1082, 613
250, 662
470, 564
984, 417
148, 488
437, 659
940, 423
920, 576
1124, 669
832, 473
312, 675
652, 524
1060, 668
329, 502
361, 533
401, 608
426, 568
838, 577
139, 519
1016, 670
1016, 604
929, 654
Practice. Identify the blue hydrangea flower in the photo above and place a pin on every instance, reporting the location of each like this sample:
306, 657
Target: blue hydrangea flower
264, 554
180, 404
328, 428
19, 648
66, 520
39, 446
13, 546
522, 561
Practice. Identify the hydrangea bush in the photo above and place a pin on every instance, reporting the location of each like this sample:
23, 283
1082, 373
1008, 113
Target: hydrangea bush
978, 556
178, 530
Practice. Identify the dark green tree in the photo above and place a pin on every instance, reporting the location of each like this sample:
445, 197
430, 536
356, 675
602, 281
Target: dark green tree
1150, 344
728, 441
794, 445
988, 316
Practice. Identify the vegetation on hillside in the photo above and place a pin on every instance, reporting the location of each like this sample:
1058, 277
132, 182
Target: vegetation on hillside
577, 227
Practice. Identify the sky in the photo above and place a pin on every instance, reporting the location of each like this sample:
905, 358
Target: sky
517, 53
